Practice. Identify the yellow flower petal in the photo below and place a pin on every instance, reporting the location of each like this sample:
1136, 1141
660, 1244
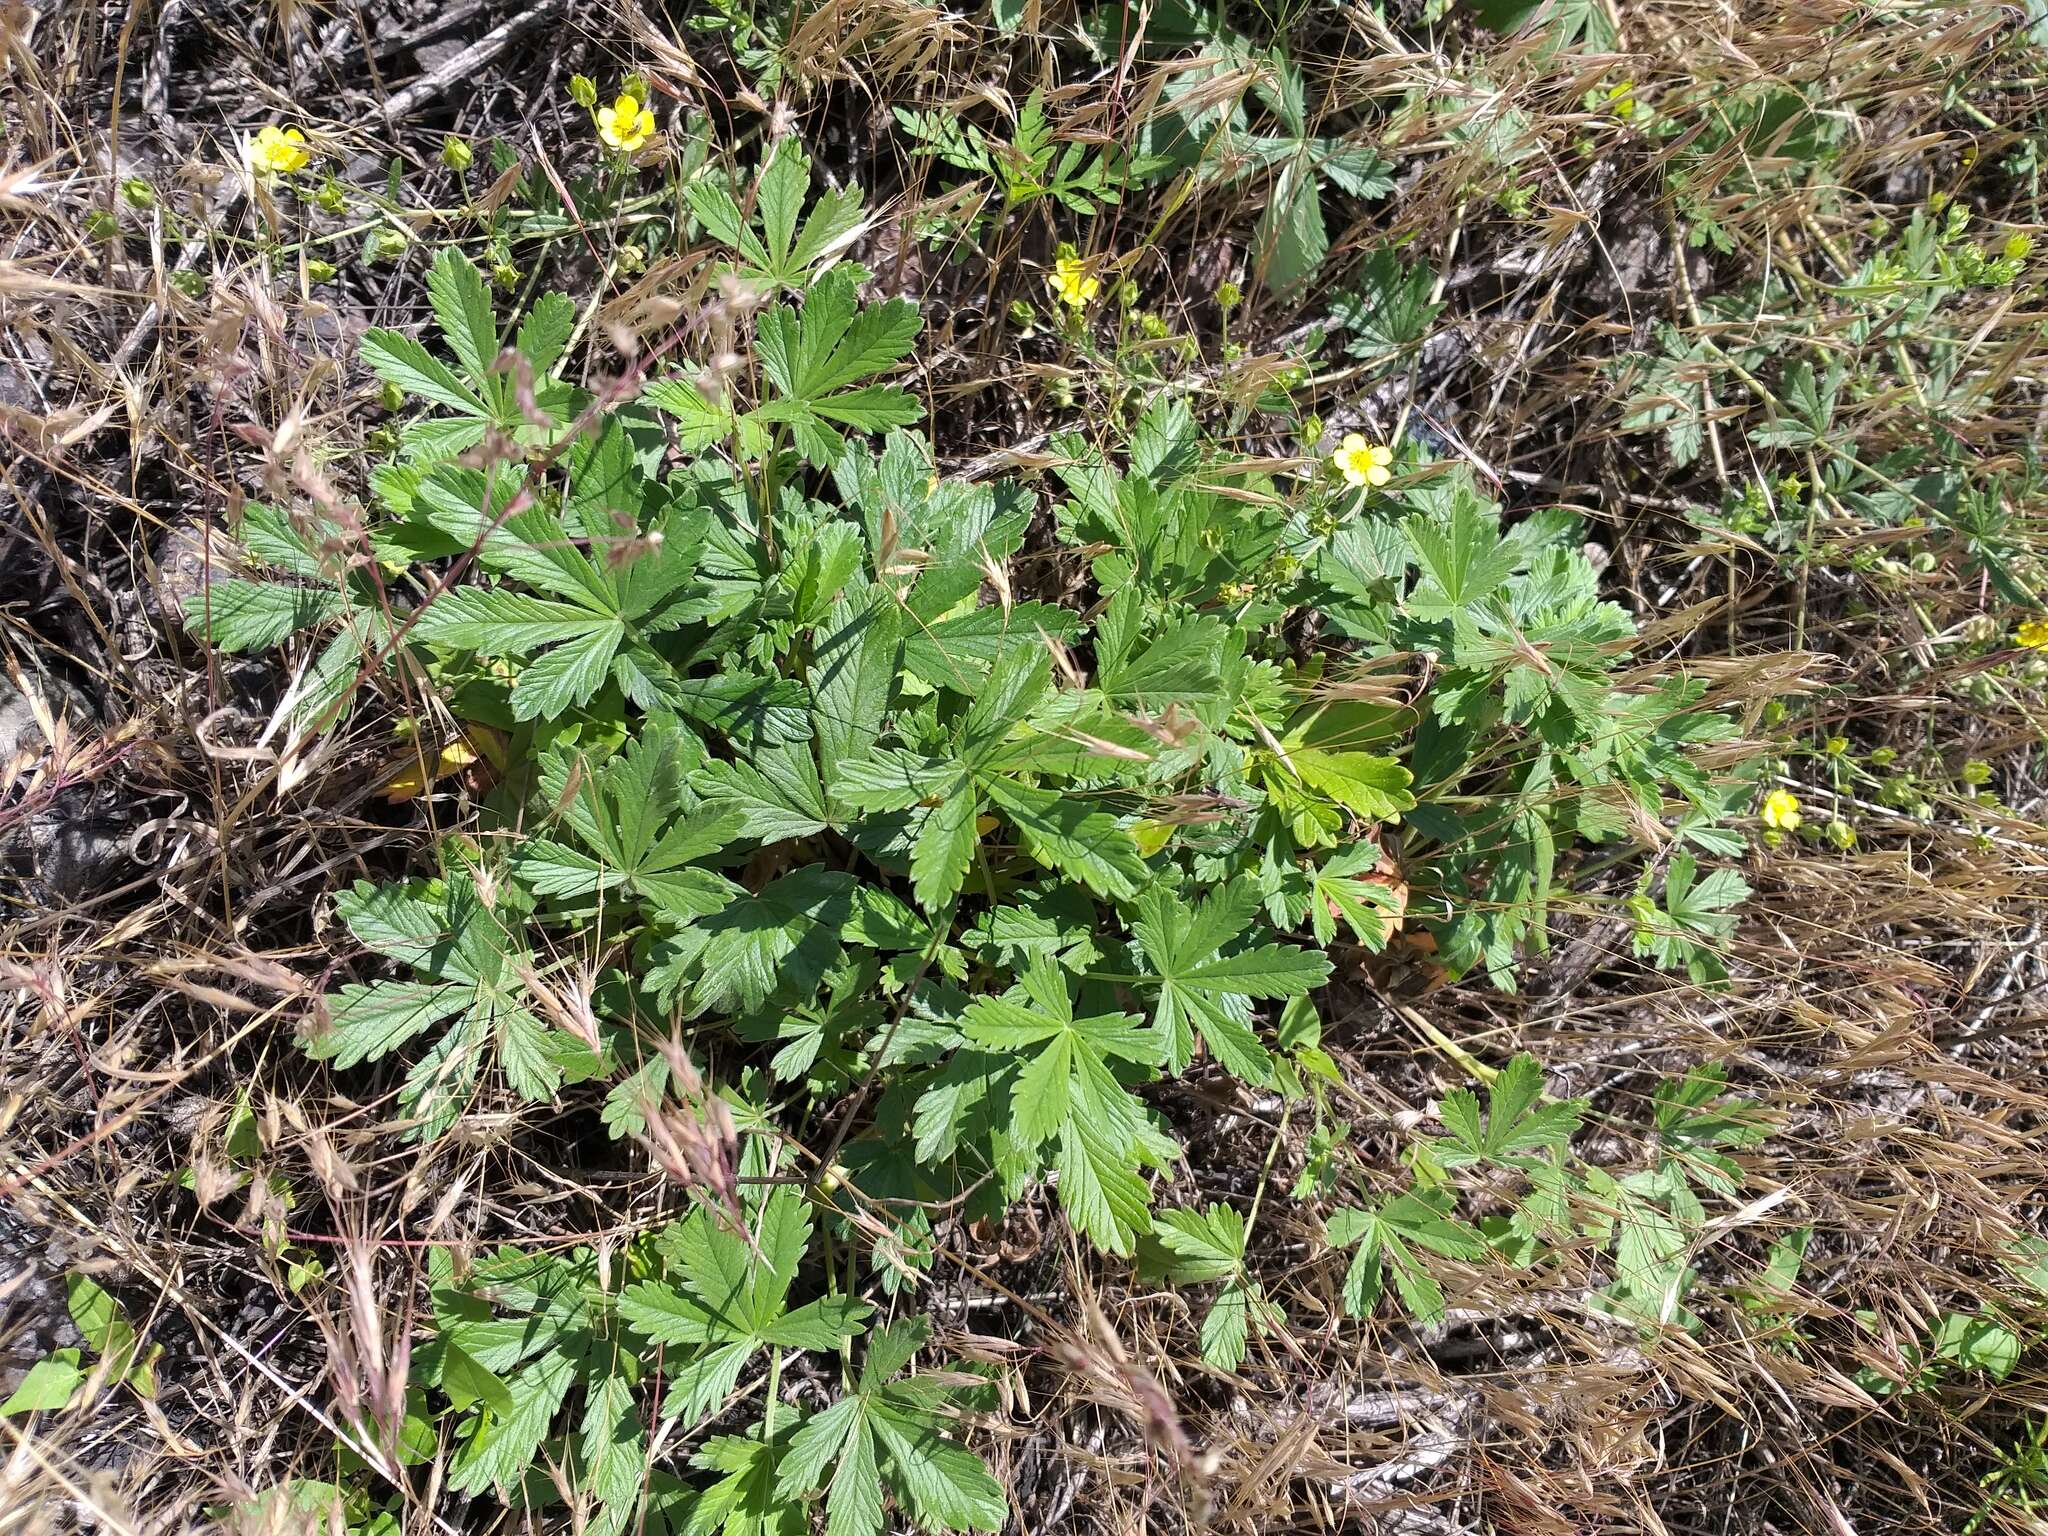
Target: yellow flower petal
1363, 463
1071, 284
279, 151
1781, 810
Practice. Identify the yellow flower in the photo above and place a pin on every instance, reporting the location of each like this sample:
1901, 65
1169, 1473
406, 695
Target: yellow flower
2034, 634
1071, 284
411, 781
1363, 463
280, 151
625, 124
1781, 810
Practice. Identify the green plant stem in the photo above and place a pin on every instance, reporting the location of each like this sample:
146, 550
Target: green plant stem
1266, 1172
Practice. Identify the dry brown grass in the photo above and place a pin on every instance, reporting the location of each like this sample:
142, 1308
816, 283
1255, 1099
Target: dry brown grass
1887, 1005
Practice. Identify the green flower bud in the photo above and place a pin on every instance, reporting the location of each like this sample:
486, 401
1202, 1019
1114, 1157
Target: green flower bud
583, 91
456, 153
138, 193
319, 271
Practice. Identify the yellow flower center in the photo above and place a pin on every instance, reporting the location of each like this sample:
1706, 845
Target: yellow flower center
1071, 284
280, 151
1363, 463
1781, 810
626, 124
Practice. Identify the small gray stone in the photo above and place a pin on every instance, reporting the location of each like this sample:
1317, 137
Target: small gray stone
185, 560
76, 859
19, 730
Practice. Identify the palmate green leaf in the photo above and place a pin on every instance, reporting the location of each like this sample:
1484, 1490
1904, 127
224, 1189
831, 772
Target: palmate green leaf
725, 1300
1342, 889
568, 676
1201, 988
810, 358
1516, 1125
1462, 555
1066, 1091
776, 256
1066, 1061
1384, 1234
239, 615
958, 652
273, 538
481, 397
890, 1433
369, 1022
476, 511
1390, 311
745, 1501
1372, 788
785, 936
625, 815
701, 420
513, 1306
776, 798
948, 793
1193, 664
469, 967
597, 617
1205, 1245
1695, 918
752, 710
1189, 1247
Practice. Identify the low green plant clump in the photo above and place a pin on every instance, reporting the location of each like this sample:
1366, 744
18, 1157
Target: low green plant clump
937, 833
